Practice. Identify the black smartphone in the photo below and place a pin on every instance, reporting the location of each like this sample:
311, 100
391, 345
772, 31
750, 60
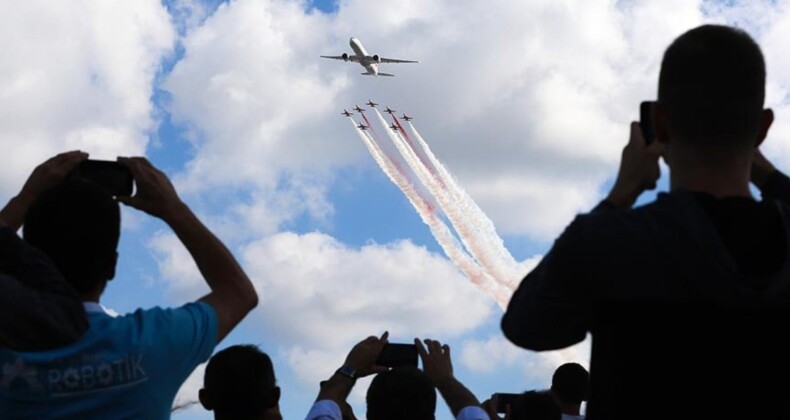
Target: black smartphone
394, 355
504, 400
115, 178
646, 121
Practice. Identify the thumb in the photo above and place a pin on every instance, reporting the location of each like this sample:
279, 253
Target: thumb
129, 201
636, 134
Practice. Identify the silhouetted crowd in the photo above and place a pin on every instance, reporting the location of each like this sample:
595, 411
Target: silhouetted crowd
685, 297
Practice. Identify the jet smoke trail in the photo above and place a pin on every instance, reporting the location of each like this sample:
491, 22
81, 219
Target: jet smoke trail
468, 234
439, 229
508, 269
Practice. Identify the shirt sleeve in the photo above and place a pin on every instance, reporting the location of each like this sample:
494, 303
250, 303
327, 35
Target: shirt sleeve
324, 410
472, 412
180, 338
551, 307
38, 309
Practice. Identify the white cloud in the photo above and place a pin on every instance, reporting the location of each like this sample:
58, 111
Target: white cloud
496, 354
77, 77
318, 297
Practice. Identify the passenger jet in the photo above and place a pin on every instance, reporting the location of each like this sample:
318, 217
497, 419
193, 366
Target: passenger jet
369, 62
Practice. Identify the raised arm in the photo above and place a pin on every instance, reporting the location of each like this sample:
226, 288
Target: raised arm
438, 366
232, 294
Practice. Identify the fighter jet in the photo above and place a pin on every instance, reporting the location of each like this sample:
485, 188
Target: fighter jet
371, 104
346, 113
407, 118
358, 109
394, 127
389, 111
362, 127
369, 62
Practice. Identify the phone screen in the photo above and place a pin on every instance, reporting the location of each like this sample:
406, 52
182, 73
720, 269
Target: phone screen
115, 178
393, 355
646, 121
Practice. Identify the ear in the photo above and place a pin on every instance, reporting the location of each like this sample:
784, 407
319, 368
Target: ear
660, 123
765, 123
205, 401
276, 395
108, 269
274, 398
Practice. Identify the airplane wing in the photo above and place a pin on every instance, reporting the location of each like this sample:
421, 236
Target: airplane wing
394, 60
354, 58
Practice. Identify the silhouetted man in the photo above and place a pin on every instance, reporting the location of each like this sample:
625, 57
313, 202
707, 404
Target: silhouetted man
239, 384
127, 366
40, 310
686, 297
570, 385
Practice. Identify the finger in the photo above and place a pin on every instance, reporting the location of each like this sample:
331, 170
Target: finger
385, 336
446, 349
420, 349
68, 162
636, 137
657, 148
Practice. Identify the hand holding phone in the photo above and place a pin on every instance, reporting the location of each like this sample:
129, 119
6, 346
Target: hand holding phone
503, 400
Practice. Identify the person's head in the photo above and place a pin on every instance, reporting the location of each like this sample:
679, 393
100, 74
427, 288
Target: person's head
570, 384
711, 91
239, 383
535, 405
401, 393
77, 225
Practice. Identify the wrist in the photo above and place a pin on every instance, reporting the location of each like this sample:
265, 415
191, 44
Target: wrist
621, 199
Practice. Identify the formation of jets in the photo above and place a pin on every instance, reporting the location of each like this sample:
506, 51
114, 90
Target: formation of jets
372, 104
369, 62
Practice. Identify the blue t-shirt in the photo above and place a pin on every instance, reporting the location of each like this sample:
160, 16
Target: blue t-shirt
129, 366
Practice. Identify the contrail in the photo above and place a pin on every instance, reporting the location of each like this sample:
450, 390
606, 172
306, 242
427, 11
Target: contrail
506, 267
469, 237
439, 229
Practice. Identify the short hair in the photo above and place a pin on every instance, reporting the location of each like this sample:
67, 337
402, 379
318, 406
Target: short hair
77, 224
403, 392
535, 405
239, 383
712, 83
571, 383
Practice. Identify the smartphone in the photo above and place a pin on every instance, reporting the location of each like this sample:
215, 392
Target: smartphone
394, 355
115, 178
646, 121
503, 400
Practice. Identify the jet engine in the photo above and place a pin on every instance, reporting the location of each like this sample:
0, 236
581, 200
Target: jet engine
376, 58
344, 57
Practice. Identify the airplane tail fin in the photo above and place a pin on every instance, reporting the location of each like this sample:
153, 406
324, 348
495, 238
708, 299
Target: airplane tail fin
386, 74
379, 74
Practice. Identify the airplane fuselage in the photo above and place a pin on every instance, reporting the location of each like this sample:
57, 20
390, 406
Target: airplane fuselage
371, 66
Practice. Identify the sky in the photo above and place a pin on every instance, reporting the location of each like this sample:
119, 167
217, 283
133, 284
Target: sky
527, 103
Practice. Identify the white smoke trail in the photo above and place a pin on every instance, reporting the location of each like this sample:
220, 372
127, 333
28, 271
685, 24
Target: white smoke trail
460, 221
493, 248
439, 229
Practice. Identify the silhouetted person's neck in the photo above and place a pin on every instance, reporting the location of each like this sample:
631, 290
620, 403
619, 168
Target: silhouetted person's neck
94, 295
724, 177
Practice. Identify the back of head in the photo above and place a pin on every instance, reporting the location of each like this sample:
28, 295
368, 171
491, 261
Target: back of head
78, 225
570, 383
239, 383
401, 393
712, 85
535, 405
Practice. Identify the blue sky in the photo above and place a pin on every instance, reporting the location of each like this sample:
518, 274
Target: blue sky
526, 103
